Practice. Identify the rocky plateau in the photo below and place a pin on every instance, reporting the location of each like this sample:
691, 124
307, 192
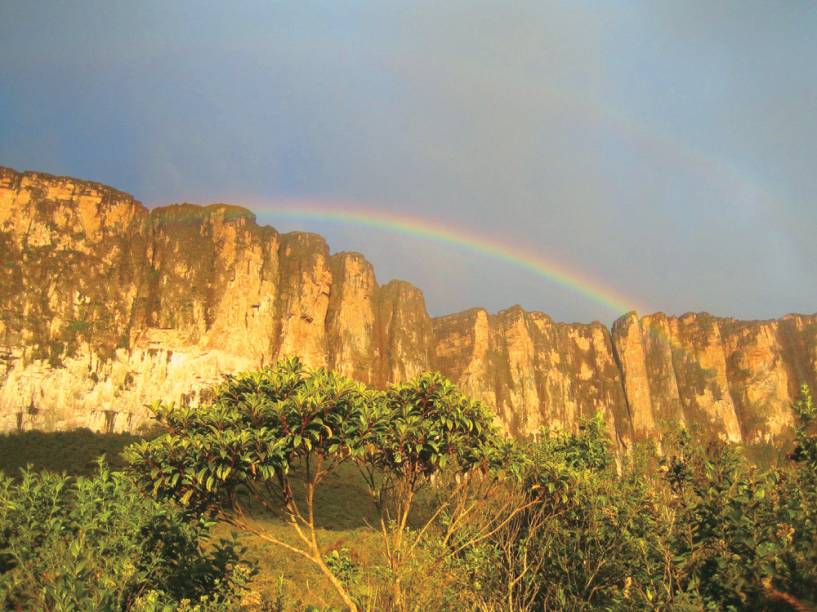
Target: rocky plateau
106, 306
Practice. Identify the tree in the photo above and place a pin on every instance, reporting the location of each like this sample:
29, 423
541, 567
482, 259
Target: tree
261, 428
245, 444
805, 452
741, 538
588, 536
431, 430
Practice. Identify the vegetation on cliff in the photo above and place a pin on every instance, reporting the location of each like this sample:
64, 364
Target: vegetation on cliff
407, 499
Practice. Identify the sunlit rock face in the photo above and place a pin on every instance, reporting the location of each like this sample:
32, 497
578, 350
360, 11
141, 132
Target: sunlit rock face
533, 371
737, 379
106, 306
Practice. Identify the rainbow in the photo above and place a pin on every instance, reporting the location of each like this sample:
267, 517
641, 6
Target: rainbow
418, 227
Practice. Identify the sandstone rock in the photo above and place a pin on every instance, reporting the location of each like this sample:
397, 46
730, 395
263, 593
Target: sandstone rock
736, 379
403, 331
106, 306
533, 371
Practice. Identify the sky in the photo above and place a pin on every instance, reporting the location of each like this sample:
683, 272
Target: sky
664, 153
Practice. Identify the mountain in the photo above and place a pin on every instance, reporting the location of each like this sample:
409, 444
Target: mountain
106, 306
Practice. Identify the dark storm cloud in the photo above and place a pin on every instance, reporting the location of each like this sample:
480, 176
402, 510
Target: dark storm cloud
666, 149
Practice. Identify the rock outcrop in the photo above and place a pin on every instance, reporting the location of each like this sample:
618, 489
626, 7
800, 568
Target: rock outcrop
533, 371
735, 378
106, 306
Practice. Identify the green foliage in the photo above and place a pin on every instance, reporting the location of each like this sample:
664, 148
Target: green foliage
429, 429
467, 519
587, 537
96, 543
599, 536
796, 507
273, 436
258, 426
341, 564
588, 449
245, 444
429, 422
744, 538
725, 543
806, 432
707, 530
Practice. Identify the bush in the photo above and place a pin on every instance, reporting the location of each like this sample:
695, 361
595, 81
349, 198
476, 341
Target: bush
706, 530
588, 539
270, 438
468, 520
97, 543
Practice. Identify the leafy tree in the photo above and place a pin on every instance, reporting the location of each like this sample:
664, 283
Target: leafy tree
741, 538
598, 534
722, 542
262, 430
805, 452
244, 446
431, 431
504, 567
558, 523
97, 543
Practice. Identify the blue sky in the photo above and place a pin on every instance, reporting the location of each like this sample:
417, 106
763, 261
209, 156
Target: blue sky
665, 148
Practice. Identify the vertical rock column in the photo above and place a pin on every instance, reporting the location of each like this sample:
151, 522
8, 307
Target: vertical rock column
350, 323
403, 330
533, 371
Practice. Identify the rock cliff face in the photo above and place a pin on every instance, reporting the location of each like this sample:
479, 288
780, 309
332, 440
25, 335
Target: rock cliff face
736, 378
533, 371
106, 306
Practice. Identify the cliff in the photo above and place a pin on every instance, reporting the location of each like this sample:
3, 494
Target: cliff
106, 306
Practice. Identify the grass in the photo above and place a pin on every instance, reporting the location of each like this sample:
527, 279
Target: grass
344, 512
73, 452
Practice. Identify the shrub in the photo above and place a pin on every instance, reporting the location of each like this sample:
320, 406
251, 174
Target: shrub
97, 543
589, 540
265, 431
557, 523
707, 530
